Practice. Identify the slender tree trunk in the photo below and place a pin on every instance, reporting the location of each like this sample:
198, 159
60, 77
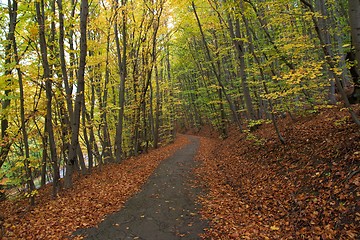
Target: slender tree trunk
222, 124
79, 94
157, 107
64, 73
68, 88
240, 51
354, 17
81, 158
107, 146
45, 156
222, 115
48, 87
93, 150
171, 94
5, 104
149, 63
323, 27
86, 137
122, 65
72, 49
151, 116
273, 119
30, 182
136, 112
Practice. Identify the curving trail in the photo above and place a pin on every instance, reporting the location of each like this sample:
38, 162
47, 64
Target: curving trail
164, 209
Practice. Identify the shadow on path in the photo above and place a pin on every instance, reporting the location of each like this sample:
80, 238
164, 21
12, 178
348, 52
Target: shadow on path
164, 209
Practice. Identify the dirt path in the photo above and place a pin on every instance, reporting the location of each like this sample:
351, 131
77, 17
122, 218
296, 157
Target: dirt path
163, 209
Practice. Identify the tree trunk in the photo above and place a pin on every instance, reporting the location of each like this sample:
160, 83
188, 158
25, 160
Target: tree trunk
171, 94
5, 104
222, 122
157, 107
48, 87
354, 17
122, 64
106, 143
324, 26
30, 182
84, 8
93, 150
273, 119
68, 89
240, 51
81, 159
86, 137
45, 156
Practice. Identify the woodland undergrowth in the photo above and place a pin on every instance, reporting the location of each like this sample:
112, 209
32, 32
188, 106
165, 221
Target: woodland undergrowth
257, 188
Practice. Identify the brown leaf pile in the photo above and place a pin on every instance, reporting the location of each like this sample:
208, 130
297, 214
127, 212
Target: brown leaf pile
306, 189
93, 197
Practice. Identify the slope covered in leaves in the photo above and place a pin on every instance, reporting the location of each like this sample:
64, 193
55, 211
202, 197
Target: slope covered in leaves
258, 188
94, 196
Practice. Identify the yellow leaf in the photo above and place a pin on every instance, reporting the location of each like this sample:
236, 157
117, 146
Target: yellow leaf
274, 228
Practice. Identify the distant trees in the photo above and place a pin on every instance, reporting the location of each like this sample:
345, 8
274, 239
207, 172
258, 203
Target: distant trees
329, 58
275, 58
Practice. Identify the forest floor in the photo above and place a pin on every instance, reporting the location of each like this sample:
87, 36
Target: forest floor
308, 188
254, 186
93, 197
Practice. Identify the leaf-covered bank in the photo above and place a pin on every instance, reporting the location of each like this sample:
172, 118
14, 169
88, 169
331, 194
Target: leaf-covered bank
258, 188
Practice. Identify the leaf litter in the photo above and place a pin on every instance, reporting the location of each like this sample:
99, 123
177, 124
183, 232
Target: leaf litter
306, 189
85, 205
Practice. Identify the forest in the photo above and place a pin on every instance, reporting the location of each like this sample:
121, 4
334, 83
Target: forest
88, 84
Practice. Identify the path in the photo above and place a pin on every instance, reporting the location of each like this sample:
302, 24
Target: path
163, 210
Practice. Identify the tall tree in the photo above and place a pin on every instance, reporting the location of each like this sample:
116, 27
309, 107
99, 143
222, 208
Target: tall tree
40, 15
122, 65
30, 182
84, 10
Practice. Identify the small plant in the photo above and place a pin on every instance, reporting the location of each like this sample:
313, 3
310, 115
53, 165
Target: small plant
255, 124
31, 194
341, 121
257, 141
